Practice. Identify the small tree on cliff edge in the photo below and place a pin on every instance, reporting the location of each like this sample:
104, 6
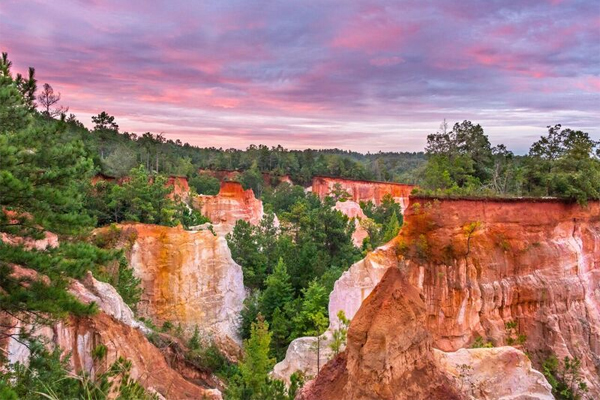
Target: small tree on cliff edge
340, 334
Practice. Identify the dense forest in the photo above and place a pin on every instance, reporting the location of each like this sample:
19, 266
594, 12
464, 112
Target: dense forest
117, 152
47, 160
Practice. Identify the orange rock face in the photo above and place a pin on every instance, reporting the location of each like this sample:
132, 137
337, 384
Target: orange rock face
115, 327
181, 188
149, 366
363, 190
389, 352
390, 356
188, 278
478, 265
481, 264
231, 204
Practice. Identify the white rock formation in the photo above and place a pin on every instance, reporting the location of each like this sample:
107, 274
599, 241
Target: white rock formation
107, 298
501, 373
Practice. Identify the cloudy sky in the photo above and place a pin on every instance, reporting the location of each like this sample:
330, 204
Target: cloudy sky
362, 75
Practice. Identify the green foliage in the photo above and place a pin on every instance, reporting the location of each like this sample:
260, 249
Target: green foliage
205, 184
312, 317
99, 352
142, 199
391, 229
105, 122
252, 179
278, 290
257, 364
14, 112
40, 182
565, 378
206, 355
283, 197
338, 193
253, 382
281, 326
339, 335
481, 343
384, 221
188, 216
245, 243
48, 376
565, 163
513, 337
194, 342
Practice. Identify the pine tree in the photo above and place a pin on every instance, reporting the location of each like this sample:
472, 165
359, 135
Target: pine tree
257, 364
340, 334
278, 291
14, 113
280, 328
392, 228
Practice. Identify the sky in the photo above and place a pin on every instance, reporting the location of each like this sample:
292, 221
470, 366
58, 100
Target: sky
359, 75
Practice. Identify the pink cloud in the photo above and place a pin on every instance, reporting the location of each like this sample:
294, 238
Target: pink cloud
386, 61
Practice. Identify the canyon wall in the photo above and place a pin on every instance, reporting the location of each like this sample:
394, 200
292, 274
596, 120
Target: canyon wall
363, 190
188, 278
390, 355
181, 187
114, 327
231, 204
482, 264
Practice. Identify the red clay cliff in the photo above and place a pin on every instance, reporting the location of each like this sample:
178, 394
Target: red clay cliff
363, 190
476, 266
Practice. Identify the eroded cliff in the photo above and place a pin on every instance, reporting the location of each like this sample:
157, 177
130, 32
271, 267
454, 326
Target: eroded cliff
390, 356
114, 327
479, 265
482, 264
363, 190
230, 205
349, 292
188, 278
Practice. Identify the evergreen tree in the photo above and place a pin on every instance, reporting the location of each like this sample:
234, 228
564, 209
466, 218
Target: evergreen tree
14, 110
313, 310
257, 363
280, 329
278, 291
391, 229
252, 179
339, 335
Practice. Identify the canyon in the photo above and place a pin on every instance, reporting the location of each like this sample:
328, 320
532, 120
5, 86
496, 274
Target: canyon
188, 278
475, 266
517, 272
382, 361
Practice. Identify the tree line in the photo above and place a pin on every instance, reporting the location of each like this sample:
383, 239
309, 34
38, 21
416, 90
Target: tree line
565, 163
